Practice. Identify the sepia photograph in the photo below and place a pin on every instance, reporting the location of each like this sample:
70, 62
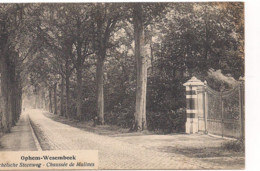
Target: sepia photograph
133, 85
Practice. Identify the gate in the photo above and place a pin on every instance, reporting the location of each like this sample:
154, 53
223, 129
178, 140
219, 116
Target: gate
219, 113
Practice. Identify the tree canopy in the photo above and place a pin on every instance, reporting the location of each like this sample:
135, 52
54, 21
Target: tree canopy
115, 63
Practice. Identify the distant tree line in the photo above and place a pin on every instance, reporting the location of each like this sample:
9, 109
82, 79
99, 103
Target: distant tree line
121, 63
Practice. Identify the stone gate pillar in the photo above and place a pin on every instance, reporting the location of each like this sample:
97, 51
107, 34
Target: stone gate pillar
192, 87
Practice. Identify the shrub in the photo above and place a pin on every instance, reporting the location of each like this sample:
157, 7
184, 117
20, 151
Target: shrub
121, 114
235, 145
167, 122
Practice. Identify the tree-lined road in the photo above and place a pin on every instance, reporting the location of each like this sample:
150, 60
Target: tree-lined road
35, 131
74, 59
113, 154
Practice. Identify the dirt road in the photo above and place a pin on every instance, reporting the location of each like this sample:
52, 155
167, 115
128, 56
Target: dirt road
142, 152
113, 153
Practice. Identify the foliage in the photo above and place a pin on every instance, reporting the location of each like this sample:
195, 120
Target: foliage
168, 121
61, 44
120, 85
235, 145
204, 36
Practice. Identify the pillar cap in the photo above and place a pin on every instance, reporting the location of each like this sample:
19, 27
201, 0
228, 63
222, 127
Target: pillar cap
194, 82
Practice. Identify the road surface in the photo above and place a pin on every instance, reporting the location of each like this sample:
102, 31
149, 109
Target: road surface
113, 154
21, 137
35, 131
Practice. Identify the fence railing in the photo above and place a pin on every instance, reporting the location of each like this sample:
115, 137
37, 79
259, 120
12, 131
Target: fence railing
220, 113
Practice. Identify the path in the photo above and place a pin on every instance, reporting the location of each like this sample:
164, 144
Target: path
113, 153
20, 138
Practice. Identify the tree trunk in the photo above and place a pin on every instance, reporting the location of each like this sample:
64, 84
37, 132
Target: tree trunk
10, 105
140, 109
102, 42
144, 89
5, 92
20, 92
79, 92
55, 98
68, 50
19, 96
50, 101
14, 104
100, 91
43, 101
39, 100
62, 97
12, 90
46, 103
67, 80
36, 100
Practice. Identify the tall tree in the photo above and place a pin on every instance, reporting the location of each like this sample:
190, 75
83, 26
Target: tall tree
13, 22
141, 61
143, 15
106, 17
83, 36
57, 34
55, 98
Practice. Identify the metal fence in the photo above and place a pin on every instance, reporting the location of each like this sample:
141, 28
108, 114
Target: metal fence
221, 113
224, 114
